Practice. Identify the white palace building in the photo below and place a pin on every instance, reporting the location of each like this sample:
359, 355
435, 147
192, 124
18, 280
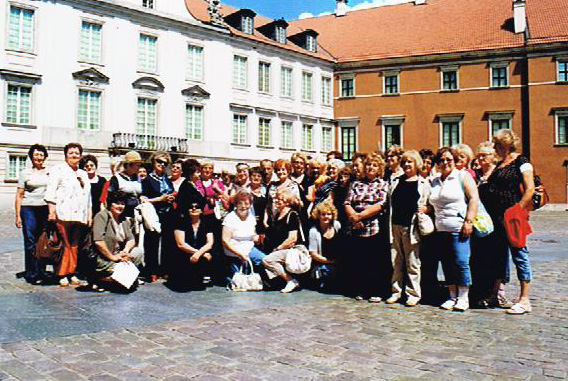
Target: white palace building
194, 78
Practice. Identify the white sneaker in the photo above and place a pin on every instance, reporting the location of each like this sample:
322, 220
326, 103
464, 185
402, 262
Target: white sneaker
449, 304
290, 286
462, 304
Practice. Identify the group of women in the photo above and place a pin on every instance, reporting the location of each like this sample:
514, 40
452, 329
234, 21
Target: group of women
360, 223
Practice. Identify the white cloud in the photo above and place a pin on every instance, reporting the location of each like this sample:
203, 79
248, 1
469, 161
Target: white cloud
364, 5
305, 15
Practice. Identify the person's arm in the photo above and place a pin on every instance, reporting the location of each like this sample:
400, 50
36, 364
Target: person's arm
226, 239
204, 249
289, 241
472, 195
104, 250
181, 244
528, 183
372, 210
51, 193
18, 206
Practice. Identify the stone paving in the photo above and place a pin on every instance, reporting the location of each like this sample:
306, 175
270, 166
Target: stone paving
235, 336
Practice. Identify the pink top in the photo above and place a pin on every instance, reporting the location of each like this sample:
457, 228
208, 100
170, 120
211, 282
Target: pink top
209, 193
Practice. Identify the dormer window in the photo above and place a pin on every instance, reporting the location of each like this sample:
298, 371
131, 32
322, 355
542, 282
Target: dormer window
280, 34
242, 20
275, 30
247, 24
311, 43
306, 39
148, 4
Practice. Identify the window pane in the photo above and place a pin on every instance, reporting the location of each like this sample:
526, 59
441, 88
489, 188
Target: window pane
348, 141
391, 84
563, 71
147, 53
326, 134
264, 132
499, 124
264, 77
18, 104
287, 135
194, 122
347, 87
563, 130
20, 29
392, 135
90, 44
307, 87
450, 80
500, 77
286, 82
146, 122
195, 62
239, 72
326, 93
450, 133
307, 137
239, 129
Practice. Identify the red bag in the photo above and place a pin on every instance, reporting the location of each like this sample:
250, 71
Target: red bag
517, 225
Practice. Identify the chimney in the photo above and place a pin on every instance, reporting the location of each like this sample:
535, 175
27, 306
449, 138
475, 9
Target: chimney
419, 2
341, 8
520, 16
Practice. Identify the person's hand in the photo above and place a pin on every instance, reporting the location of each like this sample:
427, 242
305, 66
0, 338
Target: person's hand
89, 222
208, 256
171, 197
195, 258
422, 209
216, 188
18, 222
358, 226
355, 218
467, 229
256, 239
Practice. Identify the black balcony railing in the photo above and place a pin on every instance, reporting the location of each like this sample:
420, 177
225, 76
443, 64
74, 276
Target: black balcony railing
139, 142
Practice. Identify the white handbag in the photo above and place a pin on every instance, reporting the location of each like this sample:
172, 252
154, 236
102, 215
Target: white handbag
298, 260
246, 282
425, 224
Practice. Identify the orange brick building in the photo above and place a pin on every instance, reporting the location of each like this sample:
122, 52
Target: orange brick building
431, 73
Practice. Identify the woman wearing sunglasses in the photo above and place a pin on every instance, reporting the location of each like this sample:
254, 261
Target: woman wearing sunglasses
68, 197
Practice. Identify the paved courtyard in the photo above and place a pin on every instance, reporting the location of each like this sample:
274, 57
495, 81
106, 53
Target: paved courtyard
62, 334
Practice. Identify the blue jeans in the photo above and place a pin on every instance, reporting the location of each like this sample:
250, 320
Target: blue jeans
33, 223
234, 263
522, 262
455, 252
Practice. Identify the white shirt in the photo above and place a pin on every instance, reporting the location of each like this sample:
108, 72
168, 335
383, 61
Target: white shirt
72, 201
449, 201
243, 233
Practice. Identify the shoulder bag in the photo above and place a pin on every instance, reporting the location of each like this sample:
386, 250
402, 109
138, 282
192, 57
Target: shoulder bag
50, 246
246, 282
298, 260
482, 223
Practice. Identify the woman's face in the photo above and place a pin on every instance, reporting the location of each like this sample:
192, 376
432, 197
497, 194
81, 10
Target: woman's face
299, 165
446, 163
90, 167
279, 202
485, 157
160, 165
256, 179
194, 210
344, 178
282, 173
176, 171
73, 156
315, 170
243, 207
38, 158
207, 171
142, 172
243, 174
371, 169
462, 161
426, 167
116, 208
132, 168
326, 217
393, 161
500, 148
358, 168
332, 171
409, 167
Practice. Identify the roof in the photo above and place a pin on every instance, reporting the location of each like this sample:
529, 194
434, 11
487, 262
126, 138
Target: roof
547, 20
402, 30
198, 8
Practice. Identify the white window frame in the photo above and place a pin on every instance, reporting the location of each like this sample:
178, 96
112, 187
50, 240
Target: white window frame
101, 98
19, 48
150, 141
264, 85
394, 120
310, 75
557, 115
261, 132
191, 74
151, 3
90, 59
246, 26
388, 74
325, 149
499, 65
31, 110
353, 125
311, 43
307, 126
559, 61
201, 126
147, 69
280, 34
21, 156
246, 128
349, 77
326, 93
282, 83
498, 116
446, 69
236, 76
282, 140
450, 119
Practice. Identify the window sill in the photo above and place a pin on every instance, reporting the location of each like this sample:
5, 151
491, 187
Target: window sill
499, 87
264, 93
391, 95
147, 72
450, 90
17, 125
195, 80
21, 52
308, 102
309, 151
287, 149
243, 145
562, 82
347, 97
560, 145
239, 89
286, 97
10, 181
264, 147
84, 62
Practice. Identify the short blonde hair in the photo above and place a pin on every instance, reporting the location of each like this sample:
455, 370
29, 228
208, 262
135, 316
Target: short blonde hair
207, 163
325, 206
486, 145
288, 197
414, 156
465, 149
160, 154
507, 138
395, 150
376, 158
299, 155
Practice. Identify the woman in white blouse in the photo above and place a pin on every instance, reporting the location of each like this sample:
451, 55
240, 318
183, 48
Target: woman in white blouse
68, 196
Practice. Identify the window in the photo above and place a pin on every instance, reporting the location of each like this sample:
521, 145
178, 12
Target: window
193, 122
247, 24
391, 84
239, 72
499, 124
89, 110
16, 164
280, 34
326, 139
91, 42
500, 76
392, 135
348, 141
148, 4
21, 29
307, 137
450, 133
348, 87
147, 53
264, 132
18, 104
264, 77
562, 71
195, 62
286, 82
307, 87
287, 135
562, 127
326, 93
311, 43
450, 79
146, 122
239, 129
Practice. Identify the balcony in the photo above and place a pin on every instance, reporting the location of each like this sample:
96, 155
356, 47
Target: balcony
124, 142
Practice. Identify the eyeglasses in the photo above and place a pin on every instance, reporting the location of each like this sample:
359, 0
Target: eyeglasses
446, 160
163, 162
194, 206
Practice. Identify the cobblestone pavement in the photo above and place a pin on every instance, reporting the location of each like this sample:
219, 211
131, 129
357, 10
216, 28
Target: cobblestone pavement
298, 336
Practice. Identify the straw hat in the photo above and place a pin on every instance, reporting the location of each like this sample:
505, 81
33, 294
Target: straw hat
132, 157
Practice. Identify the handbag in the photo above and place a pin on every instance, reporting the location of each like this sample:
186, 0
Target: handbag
50, 246
540, 197
482, 223
298, 260
425, 224
246, 282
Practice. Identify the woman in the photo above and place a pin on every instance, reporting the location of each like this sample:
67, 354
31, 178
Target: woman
511, 183
364, 204
176, 174
427, 161
316, 168
464, 158
241, 179
299, 175
113, 240
89, 164
128, 182
326, 190
194, 240
408, 193
284, 232
258, 190
159, 190
283, 169
340, 194
239, 235
454, 198
68, 196
188, 192
358, 166
325, 246
213, 190
393, 157
31, 210
143, 173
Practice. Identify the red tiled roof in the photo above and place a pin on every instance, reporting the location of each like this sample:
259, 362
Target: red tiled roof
198, 8
440, 26
547, 21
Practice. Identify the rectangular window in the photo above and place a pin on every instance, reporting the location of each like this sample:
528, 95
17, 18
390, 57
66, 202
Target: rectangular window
16, 164
247, 24
563, 71
193, 122
391, 84
286, 82
450, 133
326, 93
195, 62
264, 77
89, 110
348, 87
307, 137
21, 29
90, 49
264, 132
148, 4
499, 124
287, 135
146, 119
562, 129
499, 76
18, 104
239, 129
393, 135
240, 72
450, 80
311, 43
348, 142
326, 139
307, 87
147, 53
280, 34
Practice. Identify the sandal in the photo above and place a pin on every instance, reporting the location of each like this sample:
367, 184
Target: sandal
519, 309
64, 282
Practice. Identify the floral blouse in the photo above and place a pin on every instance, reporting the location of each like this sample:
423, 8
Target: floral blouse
363, 194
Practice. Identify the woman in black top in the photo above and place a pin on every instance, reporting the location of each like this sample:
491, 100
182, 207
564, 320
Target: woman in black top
89, 163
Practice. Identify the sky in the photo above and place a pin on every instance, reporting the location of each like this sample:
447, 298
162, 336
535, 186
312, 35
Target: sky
294, 9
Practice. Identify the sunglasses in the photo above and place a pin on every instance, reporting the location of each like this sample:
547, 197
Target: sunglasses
194, 206
163, 162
